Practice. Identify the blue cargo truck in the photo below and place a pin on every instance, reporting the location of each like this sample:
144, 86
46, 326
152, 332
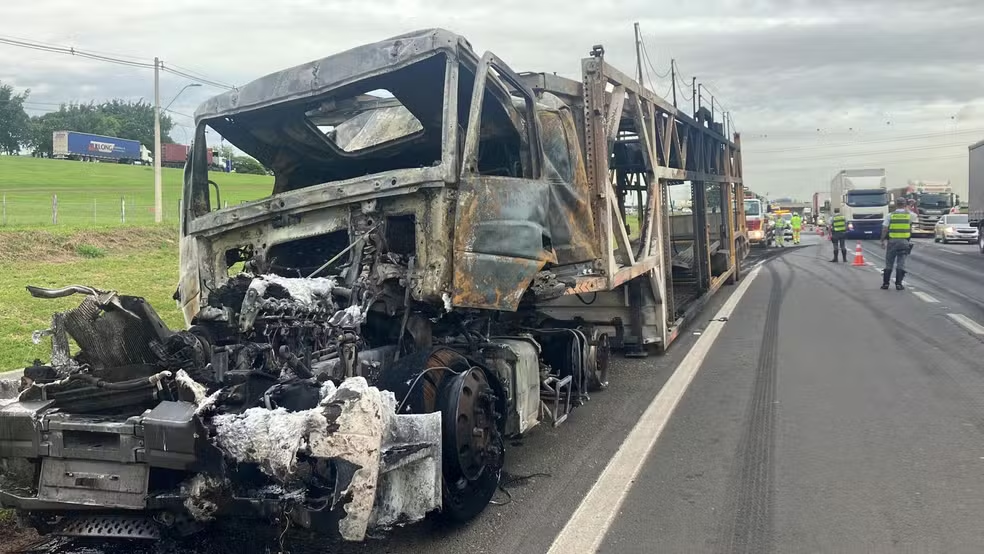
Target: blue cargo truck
72, 145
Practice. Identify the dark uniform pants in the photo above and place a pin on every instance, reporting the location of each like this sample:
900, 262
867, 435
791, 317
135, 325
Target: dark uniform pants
895, 255
838, 241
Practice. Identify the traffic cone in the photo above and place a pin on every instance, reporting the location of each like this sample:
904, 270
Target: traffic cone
820, 229
858, 255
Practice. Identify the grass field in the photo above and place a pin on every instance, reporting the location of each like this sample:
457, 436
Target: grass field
137, 261
89, 194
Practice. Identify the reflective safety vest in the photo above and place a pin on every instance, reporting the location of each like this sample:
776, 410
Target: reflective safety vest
796, 222
900, 225
838, 223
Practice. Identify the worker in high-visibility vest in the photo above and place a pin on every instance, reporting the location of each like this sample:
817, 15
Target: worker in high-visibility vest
838, 229
797, 224
897, 228
780, 230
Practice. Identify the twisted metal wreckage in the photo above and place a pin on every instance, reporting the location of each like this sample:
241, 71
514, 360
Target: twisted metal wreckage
413, 291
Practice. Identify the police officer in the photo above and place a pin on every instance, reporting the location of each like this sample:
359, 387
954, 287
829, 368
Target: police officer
897, 228
838, 229
797, 224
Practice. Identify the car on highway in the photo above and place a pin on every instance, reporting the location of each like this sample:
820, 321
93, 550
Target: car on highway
953, 228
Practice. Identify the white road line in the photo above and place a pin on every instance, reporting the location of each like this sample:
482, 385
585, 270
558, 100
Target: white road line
588, 525
967, 323
925, 297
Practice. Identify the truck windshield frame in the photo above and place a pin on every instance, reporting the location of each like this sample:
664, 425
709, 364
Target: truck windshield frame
756, 207
866, 199
290, 141
933, 200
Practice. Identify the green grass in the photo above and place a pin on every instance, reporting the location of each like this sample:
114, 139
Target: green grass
140, 262
89, 251
90, 194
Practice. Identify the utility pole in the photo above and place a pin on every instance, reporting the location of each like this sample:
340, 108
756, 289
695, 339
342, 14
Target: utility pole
693, 92
673, 79
638, 55
158, 195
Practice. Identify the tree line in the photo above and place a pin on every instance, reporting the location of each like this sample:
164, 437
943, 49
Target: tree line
113, 118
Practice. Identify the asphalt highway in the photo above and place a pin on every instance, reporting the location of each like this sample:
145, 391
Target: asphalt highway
825, 415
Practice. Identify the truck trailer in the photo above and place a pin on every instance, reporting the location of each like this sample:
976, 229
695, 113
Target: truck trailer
434, 271
88, 147
173, 155
862, 198
934, 199
975, 190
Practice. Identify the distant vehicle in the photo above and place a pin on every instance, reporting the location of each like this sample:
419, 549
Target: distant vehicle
87, 147
975, 186
933, 200
146, 158
821, 201
756, 222
863, 200
955, 228
173, 155
788, 229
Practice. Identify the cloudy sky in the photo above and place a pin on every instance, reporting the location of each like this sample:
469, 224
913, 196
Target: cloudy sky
814, 86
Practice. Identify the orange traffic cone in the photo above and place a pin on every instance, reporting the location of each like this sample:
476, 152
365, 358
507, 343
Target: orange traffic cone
858, 255
821, 230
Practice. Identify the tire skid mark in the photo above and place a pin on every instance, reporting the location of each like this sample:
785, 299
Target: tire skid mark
750, 529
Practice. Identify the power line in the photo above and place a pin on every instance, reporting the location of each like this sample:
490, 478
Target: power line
684, 86
801, 167
649, 60
52, 45
189, 76
92, 55
860, 142
831, 156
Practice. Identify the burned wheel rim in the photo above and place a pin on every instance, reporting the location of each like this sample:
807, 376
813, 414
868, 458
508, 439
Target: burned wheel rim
599, 351
472, 446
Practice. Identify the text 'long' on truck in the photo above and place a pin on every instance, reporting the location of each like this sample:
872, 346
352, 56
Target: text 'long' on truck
863, 200
436, 269
87, 147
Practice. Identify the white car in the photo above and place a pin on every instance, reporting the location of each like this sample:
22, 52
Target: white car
954, 227
788, 230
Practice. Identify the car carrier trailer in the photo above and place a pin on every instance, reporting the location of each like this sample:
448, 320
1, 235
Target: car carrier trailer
436, 269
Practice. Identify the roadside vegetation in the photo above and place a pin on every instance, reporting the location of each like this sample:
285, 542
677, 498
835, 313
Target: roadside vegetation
132, 260
89, 194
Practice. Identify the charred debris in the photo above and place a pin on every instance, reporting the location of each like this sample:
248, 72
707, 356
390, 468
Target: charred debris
438, 267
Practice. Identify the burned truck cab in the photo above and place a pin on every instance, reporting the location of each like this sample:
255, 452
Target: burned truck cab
359, 340
435, 153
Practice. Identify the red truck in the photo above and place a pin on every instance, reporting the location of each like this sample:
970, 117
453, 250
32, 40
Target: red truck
175, 155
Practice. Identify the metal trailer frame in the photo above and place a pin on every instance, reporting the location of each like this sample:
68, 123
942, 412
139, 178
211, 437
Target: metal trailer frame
676, 148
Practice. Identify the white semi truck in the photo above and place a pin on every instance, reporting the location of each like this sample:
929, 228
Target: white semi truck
863, 200
975, 186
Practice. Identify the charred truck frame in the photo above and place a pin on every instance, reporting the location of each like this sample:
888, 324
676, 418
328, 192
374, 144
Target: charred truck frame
446, 257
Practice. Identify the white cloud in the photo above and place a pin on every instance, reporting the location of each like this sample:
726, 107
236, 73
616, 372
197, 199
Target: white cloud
784, 68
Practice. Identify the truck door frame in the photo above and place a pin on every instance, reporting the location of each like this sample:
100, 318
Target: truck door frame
494, 274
